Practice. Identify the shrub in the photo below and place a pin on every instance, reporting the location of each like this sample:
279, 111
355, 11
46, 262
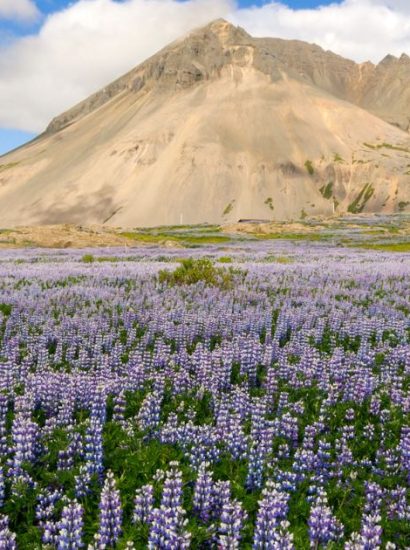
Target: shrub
225, 260
228, 208
5, 309
193, 271
269, 203
357, 206
327, 190
88, 259
309, 167
403, 205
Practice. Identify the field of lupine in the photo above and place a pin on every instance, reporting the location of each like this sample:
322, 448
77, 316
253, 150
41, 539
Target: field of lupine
268, 412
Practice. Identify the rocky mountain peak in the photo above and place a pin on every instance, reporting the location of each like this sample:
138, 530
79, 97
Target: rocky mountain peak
220, 126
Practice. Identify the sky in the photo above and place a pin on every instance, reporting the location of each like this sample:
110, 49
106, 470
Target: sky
54, 53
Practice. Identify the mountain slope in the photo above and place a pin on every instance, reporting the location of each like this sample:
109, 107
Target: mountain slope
215, 127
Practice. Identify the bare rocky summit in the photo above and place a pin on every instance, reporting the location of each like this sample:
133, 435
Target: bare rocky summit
220, 126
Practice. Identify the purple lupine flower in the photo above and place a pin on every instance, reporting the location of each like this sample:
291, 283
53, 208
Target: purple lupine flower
24, 433
150, 411
204, 493
143, 504
323, 526
273, 508
280, 538
371, 532
7, 538
94, 452
46, 514
4, 402
119, 409
110, 526
98, 405
256, 463
230, 525
168, 523
397, 504
66, 457
70, 527
82, 482
404, 449
221, 494
2, 487
373, 498
172, 494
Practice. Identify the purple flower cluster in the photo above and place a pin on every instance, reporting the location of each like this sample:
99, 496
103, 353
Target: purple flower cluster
110, 526
287, 391
71, 527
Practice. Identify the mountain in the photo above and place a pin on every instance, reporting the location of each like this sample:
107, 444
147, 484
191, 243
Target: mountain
220, 126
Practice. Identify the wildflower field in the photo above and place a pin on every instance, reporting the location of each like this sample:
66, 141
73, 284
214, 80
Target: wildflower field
264, 404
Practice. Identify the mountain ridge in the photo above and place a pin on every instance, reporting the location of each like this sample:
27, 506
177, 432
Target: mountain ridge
133, 81
219, 126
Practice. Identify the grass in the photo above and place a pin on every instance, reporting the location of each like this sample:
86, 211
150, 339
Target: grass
278, 260
386, 247
309, 167
4, 167
327, 190
361, 200
387, 146
228, 208
203, 228
269, 203
177, 238
5, 309
403, 205
290, 236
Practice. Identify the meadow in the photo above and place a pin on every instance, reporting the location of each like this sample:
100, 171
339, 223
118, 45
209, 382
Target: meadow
264, 404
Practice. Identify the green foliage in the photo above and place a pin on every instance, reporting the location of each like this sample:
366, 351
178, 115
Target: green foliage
228, 208
278, 259
269, 203
309, 167
193, 271
403, 205
176, 237
225, 260
290, 236
338, 158
362, 198
387, 146
4, 167
88, 259
388, 247
5, 309
327, 190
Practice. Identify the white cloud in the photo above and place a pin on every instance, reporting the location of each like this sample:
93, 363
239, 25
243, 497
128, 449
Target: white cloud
87, 45
358, 29
24, 10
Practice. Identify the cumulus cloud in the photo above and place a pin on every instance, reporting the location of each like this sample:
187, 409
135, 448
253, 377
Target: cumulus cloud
84, 47
91, 42
24, 10
358, 29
